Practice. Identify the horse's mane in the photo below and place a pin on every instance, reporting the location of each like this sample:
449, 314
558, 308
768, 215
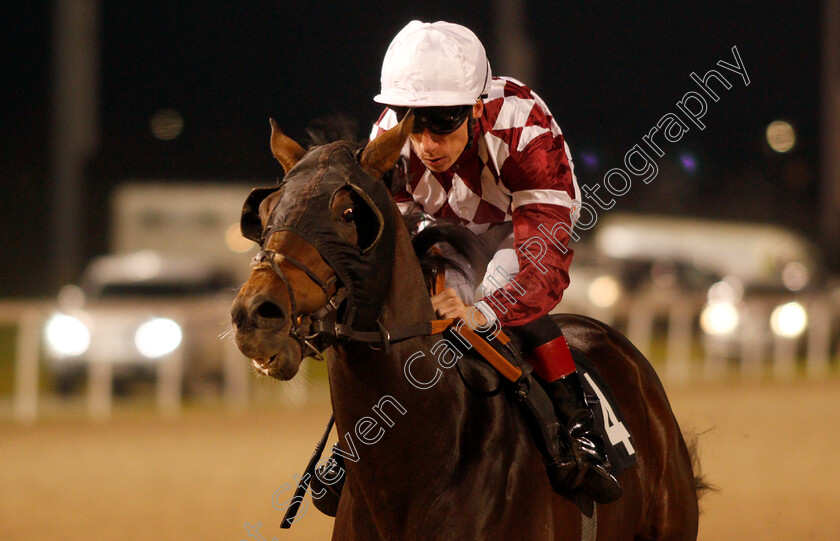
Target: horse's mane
331, 128
464, 252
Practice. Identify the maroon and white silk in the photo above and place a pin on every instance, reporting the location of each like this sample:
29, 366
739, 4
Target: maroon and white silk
518, 169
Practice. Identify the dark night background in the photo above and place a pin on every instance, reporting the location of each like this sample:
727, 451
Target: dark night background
608, 71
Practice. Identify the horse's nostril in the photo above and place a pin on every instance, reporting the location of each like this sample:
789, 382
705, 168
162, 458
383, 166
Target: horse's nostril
269, 310
238, 314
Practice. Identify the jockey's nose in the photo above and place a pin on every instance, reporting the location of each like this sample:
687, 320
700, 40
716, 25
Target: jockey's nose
428, 141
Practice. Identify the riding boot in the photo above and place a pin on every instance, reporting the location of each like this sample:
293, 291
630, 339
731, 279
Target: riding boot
588, 471
328, 481
587, 468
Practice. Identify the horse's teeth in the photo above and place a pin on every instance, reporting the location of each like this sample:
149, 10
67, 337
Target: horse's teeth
261, 364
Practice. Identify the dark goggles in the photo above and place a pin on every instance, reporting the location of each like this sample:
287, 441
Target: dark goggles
439, 120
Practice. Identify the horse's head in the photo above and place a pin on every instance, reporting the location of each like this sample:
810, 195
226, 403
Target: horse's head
327, 245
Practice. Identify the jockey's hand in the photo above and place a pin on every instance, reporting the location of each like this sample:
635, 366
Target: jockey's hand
448, 304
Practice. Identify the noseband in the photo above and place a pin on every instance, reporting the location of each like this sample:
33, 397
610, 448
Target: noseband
270, 258
324, 326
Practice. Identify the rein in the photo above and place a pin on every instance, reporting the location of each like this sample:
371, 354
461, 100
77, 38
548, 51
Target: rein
325, 324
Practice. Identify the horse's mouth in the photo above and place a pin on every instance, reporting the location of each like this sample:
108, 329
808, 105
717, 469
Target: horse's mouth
264, 365
283, 365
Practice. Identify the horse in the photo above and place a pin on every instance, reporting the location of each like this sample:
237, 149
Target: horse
429, 458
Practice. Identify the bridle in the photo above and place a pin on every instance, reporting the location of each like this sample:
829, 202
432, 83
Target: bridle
335, 296
357, 290
324, 327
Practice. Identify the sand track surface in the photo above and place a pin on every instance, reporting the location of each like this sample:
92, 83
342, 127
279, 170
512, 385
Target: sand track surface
770, 448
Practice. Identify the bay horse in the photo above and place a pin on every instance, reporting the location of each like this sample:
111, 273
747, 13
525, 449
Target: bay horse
434, 461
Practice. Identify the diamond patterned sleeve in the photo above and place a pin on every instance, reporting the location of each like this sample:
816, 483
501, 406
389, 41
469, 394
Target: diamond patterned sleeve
541, 234
540, 176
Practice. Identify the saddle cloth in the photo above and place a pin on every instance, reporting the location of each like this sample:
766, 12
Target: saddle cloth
609, 419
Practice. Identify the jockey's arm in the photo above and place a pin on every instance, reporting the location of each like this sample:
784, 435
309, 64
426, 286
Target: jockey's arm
544, 194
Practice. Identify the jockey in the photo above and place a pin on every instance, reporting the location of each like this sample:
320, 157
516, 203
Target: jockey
487, 153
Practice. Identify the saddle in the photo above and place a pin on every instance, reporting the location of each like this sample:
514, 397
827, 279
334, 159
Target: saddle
527, 391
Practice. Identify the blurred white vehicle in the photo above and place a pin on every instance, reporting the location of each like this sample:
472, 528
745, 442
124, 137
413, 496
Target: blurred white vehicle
605, 287
758, 255
175, 218
766, 277
134, 310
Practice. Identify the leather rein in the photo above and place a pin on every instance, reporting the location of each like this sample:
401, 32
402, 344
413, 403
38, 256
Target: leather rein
318, 330
324, 326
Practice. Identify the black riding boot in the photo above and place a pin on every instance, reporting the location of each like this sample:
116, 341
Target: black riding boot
588, 471
333, 470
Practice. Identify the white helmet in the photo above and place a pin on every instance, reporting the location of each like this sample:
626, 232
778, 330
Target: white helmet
434, 64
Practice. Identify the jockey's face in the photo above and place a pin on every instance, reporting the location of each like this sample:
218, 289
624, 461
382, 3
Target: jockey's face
439, 152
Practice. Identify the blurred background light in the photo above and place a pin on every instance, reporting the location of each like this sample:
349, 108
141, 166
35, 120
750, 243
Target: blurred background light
71, 297
157, 337
719, 318
781, 136
67, 336
729, 290
789, 320
795, 276
689, 162
235, 241
166, 124
590, 159
604, 291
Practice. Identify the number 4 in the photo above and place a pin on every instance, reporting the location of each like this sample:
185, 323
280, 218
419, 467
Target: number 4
616, 431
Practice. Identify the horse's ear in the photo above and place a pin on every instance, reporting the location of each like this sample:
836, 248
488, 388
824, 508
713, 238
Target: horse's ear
284, 148
382, 153
250, 223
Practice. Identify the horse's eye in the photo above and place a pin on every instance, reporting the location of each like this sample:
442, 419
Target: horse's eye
347, 215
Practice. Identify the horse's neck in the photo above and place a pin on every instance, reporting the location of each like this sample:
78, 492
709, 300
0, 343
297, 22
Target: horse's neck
407, 301
360, 378
372, 372
413, 444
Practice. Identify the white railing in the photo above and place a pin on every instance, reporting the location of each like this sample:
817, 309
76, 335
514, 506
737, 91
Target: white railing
29, 317
689, 354
681, 354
